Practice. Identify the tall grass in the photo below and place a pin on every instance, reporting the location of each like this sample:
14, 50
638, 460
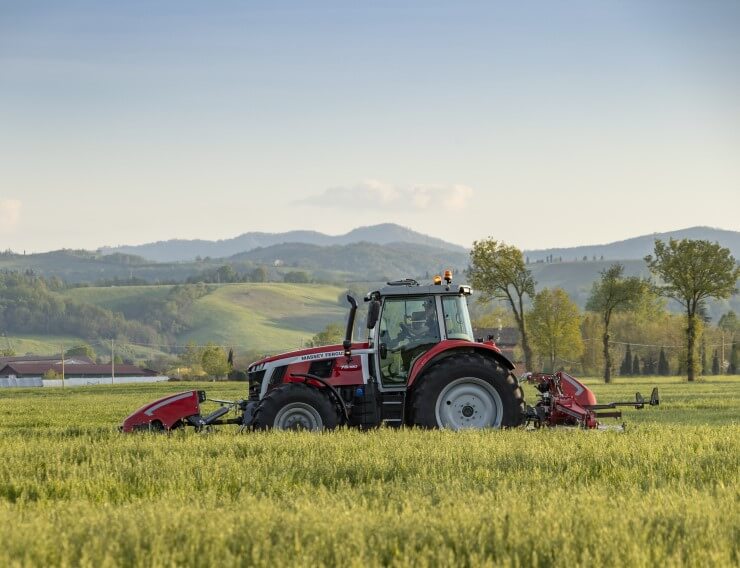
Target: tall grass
75, 492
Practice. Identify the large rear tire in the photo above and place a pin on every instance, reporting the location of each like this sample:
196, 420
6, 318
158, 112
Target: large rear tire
467, 390
295, 406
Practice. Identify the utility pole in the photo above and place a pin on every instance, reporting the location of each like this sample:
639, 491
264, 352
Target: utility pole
112, 361
722, 365
62, 346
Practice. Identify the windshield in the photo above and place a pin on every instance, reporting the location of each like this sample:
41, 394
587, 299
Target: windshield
457, 319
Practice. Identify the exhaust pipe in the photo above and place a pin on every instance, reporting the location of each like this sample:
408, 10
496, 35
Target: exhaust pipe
347, 344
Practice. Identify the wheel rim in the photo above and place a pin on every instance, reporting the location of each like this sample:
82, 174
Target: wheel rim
298, 416
469, 402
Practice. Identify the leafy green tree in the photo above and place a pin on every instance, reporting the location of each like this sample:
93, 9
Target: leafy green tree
729, 322
259, 274
613, 293
192, 357
215, 361
81, 350
331, 335
226, 274
498, 271
297, 277
691, 272
555, 326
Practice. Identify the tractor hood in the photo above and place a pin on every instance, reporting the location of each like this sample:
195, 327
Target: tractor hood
311, 354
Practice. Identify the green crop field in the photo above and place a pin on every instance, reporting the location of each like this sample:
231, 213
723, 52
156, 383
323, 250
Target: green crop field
75, 492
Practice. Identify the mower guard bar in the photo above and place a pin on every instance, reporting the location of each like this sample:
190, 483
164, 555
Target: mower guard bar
638, 403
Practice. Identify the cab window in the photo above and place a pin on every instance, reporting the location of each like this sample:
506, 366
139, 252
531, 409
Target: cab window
457, 319
408, 328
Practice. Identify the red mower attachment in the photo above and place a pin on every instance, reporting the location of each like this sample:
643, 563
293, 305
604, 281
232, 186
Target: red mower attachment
176, 410
565, 401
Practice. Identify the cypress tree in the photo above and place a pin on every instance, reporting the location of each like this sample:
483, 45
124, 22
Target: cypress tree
734, 360
636, 366
663, 368
626, 367
715, 363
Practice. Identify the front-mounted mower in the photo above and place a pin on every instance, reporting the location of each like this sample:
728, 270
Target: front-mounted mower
420, 366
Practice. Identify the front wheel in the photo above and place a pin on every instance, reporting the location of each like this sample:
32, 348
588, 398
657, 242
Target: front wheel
467, 391
295, 406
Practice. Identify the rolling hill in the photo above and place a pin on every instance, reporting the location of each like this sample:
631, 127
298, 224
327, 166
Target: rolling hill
254, 317
185, 250
638, 247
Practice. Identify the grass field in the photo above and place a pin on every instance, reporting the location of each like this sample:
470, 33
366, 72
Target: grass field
73, 491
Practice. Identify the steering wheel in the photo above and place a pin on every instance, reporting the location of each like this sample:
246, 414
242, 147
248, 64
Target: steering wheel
406, 332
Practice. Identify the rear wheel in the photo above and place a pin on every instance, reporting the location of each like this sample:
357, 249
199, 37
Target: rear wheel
467, 391
295, 406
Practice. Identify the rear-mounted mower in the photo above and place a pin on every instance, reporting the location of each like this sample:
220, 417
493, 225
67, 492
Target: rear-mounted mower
420, 366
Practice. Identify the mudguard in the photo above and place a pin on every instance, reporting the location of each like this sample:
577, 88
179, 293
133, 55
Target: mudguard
445, 348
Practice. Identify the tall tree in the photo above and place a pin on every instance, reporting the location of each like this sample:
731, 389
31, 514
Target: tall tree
691, 272
626, 369
715, 363
734, 360
215, 361
498, 271
613, 293
636, 365
555, 326
663, 368
729, 326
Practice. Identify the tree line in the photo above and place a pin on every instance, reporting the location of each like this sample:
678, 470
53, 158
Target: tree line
552, 329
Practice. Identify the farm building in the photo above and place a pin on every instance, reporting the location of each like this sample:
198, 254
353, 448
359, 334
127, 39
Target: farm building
32, 370
72, 369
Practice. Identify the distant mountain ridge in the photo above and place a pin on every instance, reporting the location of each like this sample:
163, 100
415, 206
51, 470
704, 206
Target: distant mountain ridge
364, 259
637, 248
185, 250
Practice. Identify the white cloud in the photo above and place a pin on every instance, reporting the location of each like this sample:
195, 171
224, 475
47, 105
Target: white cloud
458, 197
10, 215
380, 195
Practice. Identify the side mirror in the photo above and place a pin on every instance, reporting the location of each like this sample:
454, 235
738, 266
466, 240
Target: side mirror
373, 312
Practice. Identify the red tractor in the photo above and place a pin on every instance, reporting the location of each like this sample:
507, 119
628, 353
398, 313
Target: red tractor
420, 366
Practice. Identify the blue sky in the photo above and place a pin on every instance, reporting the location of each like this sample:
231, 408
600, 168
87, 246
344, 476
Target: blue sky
539, 123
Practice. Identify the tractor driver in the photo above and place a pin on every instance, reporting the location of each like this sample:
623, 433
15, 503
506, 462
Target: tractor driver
421, 334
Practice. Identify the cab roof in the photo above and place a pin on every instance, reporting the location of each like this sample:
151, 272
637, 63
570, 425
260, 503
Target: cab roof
412, 288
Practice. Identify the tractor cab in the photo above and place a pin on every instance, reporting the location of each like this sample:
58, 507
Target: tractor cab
407, 320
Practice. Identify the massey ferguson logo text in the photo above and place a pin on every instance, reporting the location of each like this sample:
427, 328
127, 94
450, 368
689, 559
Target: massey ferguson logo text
331, 355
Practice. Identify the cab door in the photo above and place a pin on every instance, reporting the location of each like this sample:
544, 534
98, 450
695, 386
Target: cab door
408, 327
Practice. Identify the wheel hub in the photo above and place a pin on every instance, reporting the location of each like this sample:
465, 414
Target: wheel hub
298, 416
469, 402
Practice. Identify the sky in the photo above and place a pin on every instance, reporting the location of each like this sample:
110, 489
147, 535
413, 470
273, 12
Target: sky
538, 123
